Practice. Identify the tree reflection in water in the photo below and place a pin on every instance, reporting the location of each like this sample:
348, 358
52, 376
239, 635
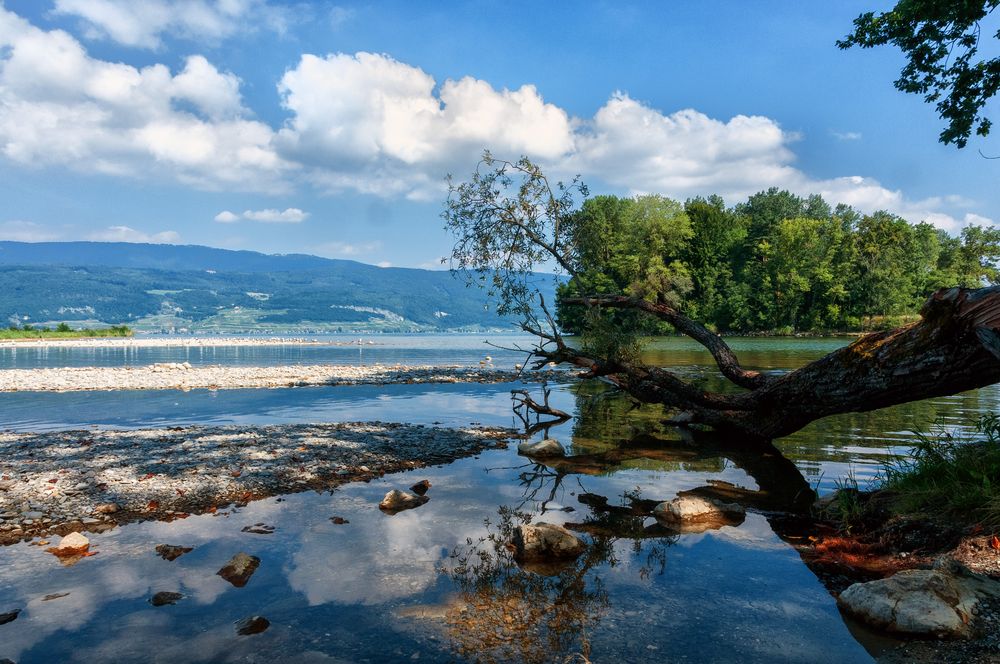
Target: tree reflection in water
534, 612
546, 613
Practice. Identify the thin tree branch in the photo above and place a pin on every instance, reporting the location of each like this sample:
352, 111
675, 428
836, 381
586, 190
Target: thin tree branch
724, 356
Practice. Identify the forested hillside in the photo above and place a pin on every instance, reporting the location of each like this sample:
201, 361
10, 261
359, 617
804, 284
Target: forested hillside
777, 262
225, 291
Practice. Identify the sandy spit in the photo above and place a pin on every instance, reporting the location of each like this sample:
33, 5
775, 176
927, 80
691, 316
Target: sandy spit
58, 482
183, 376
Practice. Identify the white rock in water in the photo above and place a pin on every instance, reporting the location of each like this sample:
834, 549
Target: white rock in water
545, 541
685, 509
919, 602
549, 447
74, 542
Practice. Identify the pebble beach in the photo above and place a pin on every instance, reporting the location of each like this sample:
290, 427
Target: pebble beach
184, 376
61, 482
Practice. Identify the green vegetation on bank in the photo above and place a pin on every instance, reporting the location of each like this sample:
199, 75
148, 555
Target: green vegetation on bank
957, 477
63, 331
777, 263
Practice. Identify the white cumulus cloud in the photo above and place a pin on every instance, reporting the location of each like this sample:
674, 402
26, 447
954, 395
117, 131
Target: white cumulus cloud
227, 217
127, 234
26, 231
267, 216
373, 124
142, 24
271, 216
59, 106
347, 248
366, 123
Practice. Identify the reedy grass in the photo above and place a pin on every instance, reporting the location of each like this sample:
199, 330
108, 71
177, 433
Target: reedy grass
956, 476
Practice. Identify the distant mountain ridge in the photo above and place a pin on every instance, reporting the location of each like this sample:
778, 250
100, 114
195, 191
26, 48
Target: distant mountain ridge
190, 288
160, 257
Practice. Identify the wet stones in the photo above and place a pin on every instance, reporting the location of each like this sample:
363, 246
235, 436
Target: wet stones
920, 602
252, 625
397, 501
421, 487
172, 551
695, 514
10, 616
239, 569
165, 597
258, 529
174, 375
168, 473
542, 542
73, 544
550, 447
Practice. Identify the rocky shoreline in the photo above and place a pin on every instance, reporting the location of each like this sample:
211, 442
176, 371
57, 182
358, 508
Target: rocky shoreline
62, 482
184, 376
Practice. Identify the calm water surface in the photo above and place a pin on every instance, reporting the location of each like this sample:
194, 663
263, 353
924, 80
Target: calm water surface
387, 588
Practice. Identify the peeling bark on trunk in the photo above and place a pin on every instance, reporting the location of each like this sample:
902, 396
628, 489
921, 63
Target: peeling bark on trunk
953, 348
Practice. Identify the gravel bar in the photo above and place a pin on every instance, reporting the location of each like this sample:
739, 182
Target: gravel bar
56, 483
184, 376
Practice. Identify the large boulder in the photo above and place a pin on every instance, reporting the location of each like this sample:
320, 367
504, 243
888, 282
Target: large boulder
695, 514
920, 602
543, 542
397, 501
550, 447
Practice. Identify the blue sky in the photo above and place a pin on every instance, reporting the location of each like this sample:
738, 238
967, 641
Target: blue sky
328, 128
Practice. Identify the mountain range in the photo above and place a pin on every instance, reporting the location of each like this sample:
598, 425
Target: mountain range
175, 288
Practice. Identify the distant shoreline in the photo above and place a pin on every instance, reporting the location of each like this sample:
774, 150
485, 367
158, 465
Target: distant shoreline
169, 342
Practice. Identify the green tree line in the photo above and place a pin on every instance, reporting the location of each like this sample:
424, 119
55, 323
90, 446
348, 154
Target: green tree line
776, 263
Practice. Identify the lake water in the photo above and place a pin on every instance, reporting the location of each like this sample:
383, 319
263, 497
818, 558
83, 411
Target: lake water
387, 588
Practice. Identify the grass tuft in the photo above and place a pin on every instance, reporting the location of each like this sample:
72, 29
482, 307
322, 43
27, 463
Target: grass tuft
957, 476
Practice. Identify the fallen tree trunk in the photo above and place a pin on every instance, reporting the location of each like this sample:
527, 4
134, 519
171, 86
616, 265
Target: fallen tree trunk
954, 347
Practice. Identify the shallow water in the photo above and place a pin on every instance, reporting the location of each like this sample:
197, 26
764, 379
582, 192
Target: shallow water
460, 349
349, 592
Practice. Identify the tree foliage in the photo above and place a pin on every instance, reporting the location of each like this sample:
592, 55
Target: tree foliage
777, 262
803, 270
941, 40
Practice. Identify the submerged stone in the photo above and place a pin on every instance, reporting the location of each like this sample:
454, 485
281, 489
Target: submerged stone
239, 569
550, 447
165, 597
542, 542
421, 487
252, 625
697, 514
172, 551
397, 501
